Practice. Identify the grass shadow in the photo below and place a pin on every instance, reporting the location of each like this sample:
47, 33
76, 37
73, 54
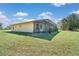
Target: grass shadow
45, 36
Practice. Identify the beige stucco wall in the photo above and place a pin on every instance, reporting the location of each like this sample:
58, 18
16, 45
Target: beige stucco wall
23, 27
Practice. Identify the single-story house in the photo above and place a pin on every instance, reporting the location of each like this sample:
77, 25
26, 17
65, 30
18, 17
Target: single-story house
34, 26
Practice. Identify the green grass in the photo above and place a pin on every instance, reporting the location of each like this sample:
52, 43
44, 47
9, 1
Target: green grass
63, 43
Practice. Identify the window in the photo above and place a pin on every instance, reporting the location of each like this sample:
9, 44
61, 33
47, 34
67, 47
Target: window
37, 26
40, 26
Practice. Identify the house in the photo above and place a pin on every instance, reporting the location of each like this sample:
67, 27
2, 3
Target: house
35, 26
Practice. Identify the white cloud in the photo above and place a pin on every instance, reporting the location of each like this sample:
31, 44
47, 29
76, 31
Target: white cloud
6, 23
59, 4
2, 17
20, 18
76, 12
21, 14
26, 20
45, 15
1, 12
21, 21
57, 20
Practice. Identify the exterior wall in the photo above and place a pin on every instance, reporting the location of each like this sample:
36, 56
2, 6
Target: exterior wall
46, 26
31, 26
41, 27
24, 27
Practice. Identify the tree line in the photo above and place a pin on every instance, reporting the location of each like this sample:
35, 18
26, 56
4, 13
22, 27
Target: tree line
70, 22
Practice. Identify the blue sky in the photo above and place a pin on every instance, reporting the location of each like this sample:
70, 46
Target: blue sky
18, 12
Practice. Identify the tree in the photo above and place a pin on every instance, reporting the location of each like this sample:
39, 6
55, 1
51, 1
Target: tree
70, 22
0, 25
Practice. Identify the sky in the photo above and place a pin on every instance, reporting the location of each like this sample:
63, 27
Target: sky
11, 13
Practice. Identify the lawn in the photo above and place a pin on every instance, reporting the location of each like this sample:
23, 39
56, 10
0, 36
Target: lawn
62, 43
